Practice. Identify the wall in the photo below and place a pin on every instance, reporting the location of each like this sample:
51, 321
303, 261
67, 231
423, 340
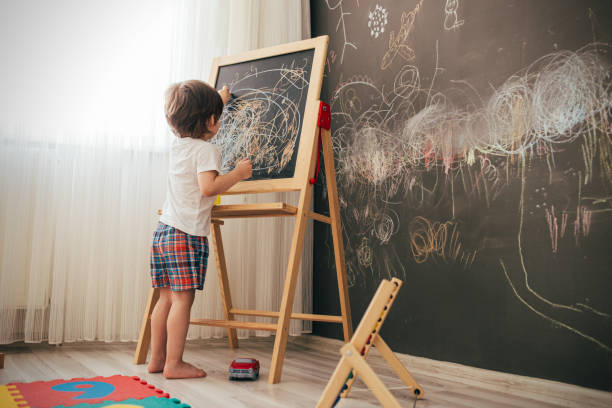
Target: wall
472, 143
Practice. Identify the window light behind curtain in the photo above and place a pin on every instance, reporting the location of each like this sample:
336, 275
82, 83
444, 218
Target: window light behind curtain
83, 160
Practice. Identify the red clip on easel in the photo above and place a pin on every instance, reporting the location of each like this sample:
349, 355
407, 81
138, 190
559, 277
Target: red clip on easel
323, 121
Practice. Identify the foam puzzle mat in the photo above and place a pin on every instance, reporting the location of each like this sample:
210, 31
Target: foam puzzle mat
117, 391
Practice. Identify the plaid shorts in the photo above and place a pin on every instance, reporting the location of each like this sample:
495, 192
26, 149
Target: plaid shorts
178, 259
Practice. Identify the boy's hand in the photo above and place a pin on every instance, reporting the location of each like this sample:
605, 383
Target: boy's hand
244, 168
225, 94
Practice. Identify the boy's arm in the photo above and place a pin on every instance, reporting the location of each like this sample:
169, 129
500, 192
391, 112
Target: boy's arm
211, 183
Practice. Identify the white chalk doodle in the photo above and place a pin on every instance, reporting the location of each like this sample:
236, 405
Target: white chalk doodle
341, 23
377, 20
451, 20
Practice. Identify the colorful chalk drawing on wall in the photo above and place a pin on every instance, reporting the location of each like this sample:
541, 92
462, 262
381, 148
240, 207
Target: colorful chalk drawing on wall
410, 147
398, 43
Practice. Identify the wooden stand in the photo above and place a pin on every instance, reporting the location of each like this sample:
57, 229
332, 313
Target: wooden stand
353, 361
302, 213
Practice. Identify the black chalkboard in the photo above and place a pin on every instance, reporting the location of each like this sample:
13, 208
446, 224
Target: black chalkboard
473, 150
264, 118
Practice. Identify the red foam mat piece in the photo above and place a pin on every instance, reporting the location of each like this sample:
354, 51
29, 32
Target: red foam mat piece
48, 394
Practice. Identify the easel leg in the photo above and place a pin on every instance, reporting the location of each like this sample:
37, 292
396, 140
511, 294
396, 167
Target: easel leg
398, 367
223, 282
144, 339
280, 341
334, 213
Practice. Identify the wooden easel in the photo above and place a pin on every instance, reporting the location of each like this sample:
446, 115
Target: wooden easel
353, 363
316, 125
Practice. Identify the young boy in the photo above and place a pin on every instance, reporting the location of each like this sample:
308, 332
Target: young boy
179, 252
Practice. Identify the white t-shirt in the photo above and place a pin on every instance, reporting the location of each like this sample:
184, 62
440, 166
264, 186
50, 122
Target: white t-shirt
185, 208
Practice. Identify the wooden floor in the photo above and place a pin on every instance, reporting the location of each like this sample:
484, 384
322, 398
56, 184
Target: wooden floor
309, 363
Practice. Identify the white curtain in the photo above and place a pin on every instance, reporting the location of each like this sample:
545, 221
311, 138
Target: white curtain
83, 161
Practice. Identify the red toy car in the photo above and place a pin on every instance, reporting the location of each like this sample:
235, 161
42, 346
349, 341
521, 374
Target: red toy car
244, 368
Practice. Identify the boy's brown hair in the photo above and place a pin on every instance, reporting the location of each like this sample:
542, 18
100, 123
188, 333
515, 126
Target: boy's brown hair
189, 106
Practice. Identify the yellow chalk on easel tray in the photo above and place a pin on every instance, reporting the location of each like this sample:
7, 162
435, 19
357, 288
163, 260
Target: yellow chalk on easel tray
218, 200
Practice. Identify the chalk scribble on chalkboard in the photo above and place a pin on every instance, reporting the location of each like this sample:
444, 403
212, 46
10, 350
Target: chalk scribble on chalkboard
398, 44
451, 20
582, 224
377, 20
589, 151
341, 22
438, 239
386, 226
364, 253
331, 58
559, 99
553, 228
402, 151
533, 299
579, 308
263, 124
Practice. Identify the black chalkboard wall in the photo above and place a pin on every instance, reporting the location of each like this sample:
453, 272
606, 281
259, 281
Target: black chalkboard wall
474, 158
266, 112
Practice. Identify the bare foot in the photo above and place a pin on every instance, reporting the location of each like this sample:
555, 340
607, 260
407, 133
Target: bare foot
156, 365
182, 369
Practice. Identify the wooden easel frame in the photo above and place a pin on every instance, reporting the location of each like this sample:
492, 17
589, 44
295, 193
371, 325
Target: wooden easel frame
305, 167
353, 360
